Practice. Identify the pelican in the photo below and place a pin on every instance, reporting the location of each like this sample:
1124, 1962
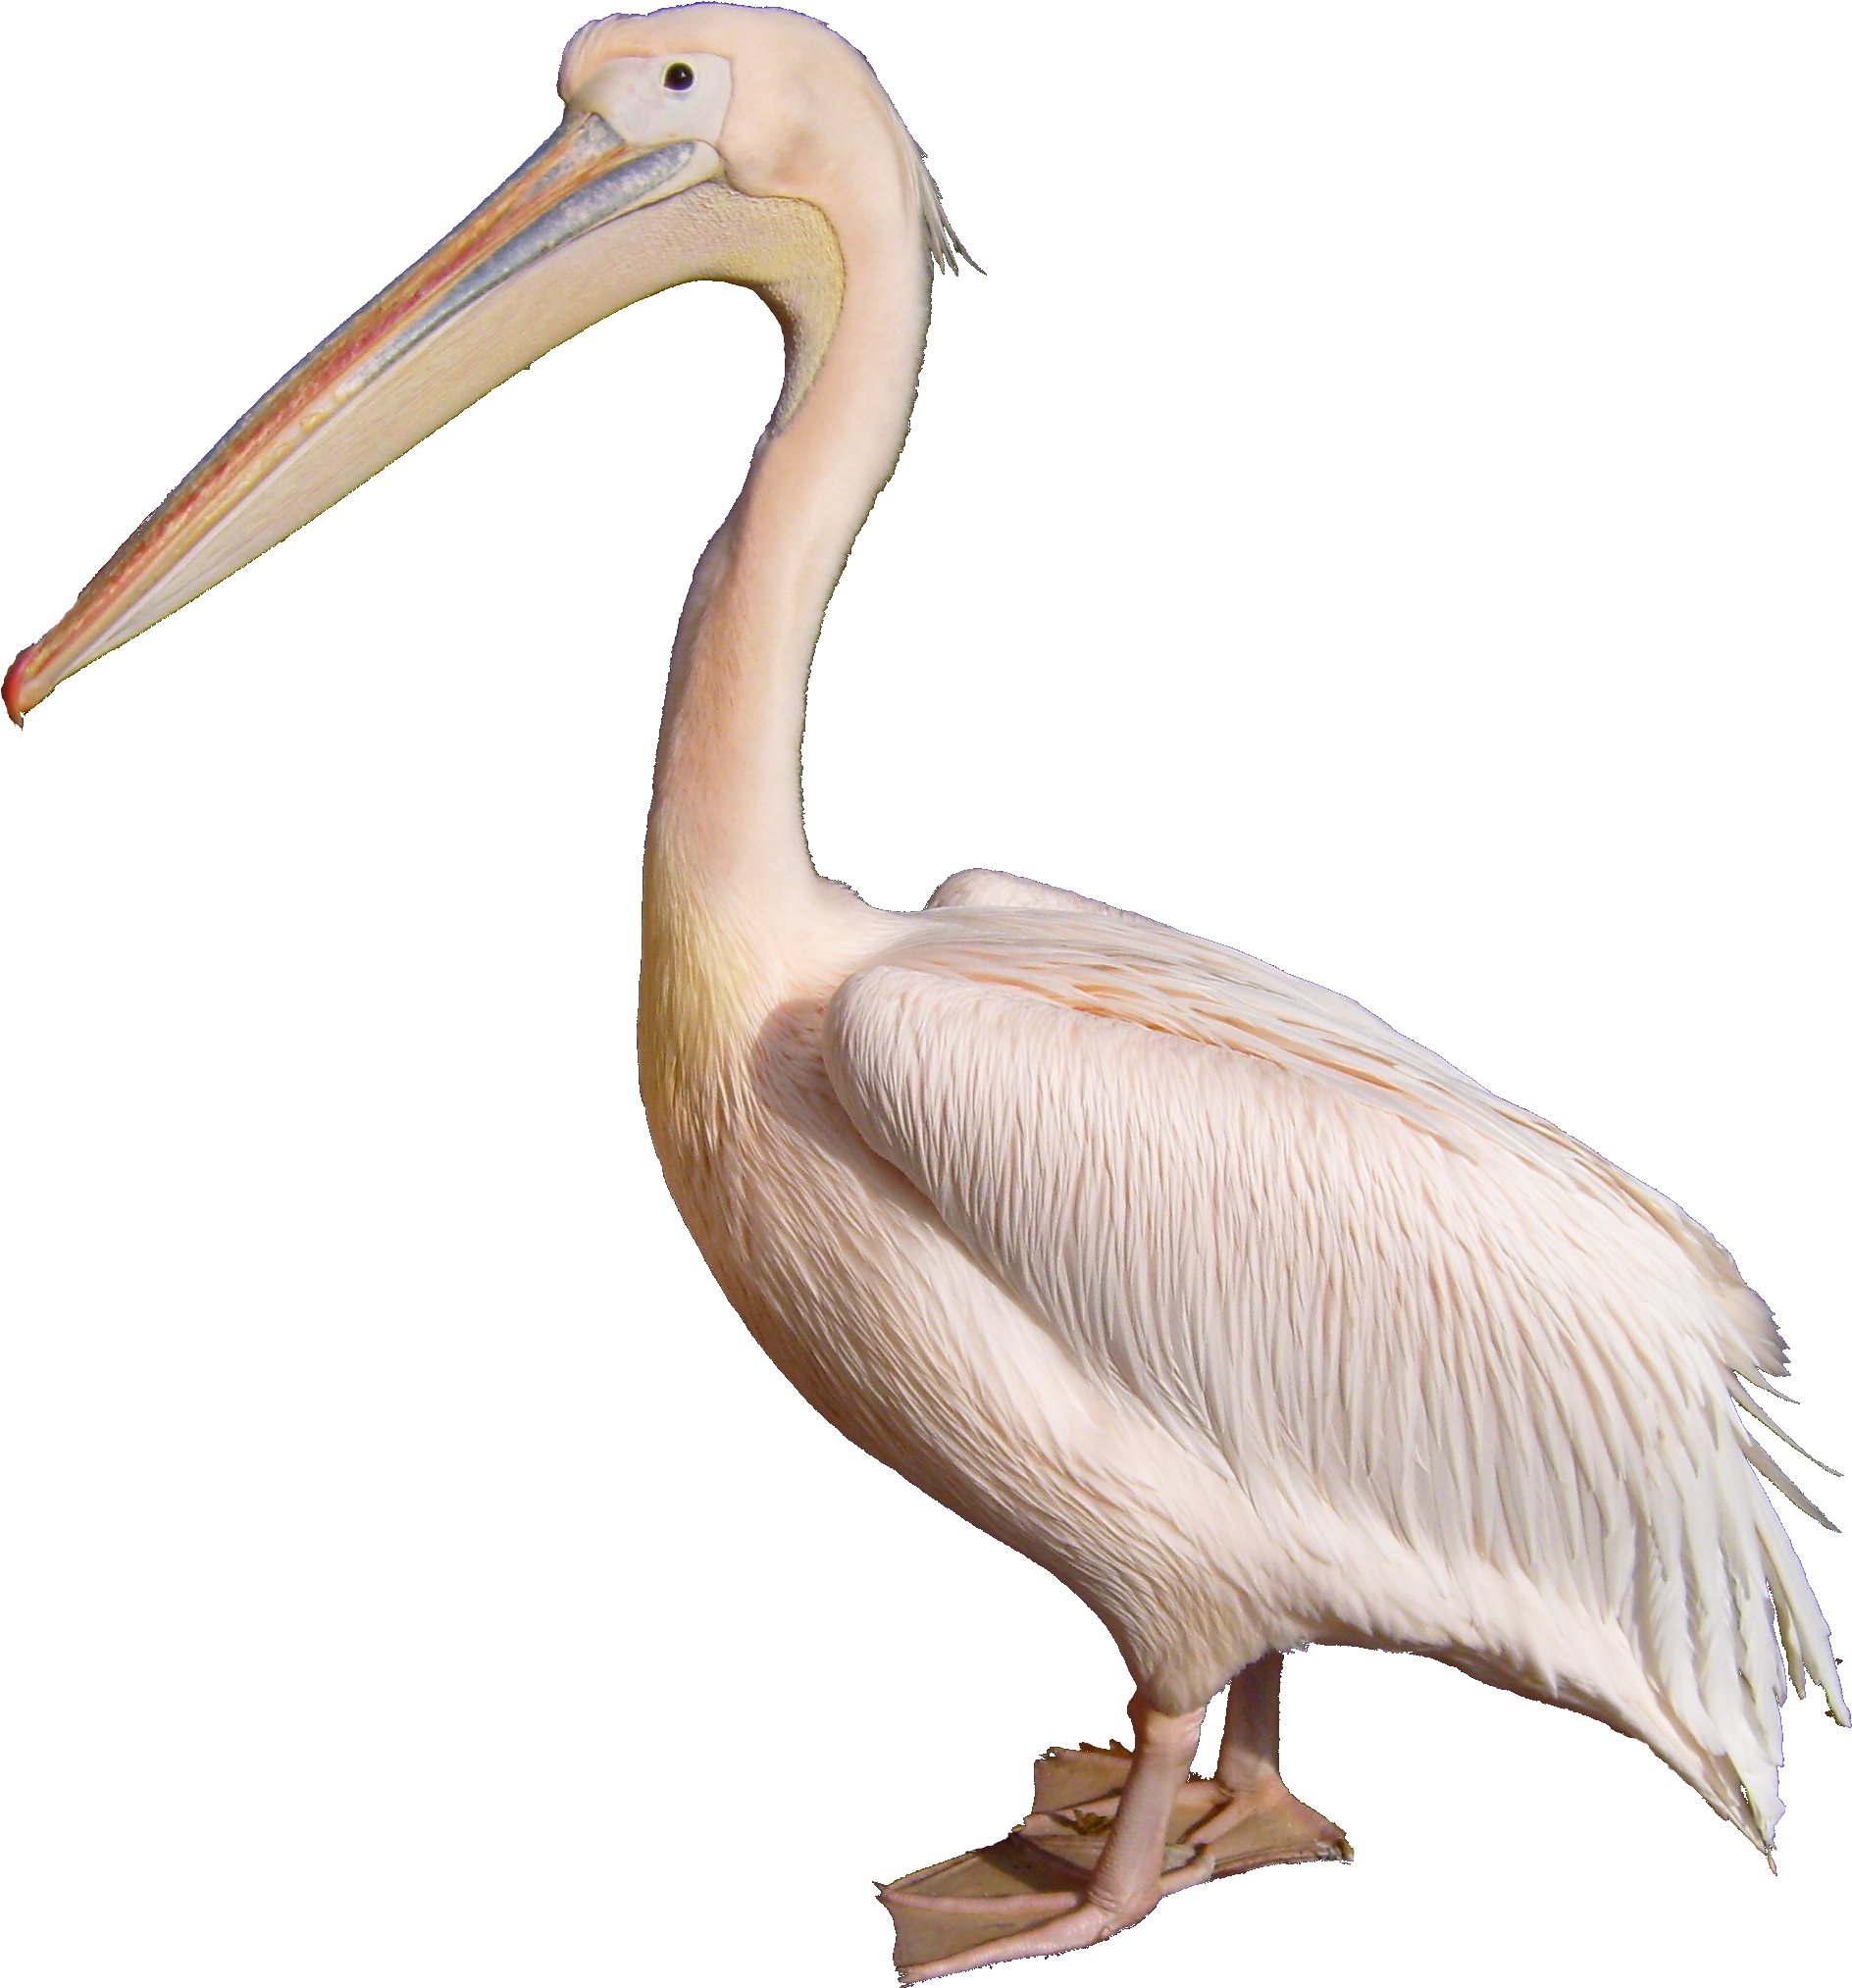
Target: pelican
1255, 1323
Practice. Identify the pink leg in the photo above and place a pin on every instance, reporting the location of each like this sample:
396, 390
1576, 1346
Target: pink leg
1262, 1814
1250, 1730
1131, 1878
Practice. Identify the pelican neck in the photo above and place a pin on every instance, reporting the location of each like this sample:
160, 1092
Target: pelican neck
726, 825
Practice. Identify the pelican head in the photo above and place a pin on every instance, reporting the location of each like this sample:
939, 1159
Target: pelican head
740, 144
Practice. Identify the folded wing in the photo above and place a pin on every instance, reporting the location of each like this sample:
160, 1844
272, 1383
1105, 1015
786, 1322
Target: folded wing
1360, 1285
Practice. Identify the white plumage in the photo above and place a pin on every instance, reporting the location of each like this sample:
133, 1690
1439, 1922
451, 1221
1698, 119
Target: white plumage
1255, 1322
1465, 1387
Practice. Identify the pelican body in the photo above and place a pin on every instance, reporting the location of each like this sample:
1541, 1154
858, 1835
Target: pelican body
1254, 1322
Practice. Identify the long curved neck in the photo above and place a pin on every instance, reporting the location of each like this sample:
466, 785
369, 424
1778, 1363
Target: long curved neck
726, 852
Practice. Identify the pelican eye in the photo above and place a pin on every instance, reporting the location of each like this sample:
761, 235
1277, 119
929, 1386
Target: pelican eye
678, 75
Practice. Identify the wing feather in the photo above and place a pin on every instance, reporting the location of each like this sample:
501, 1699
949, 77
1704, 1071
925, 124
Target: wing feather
1353, 1280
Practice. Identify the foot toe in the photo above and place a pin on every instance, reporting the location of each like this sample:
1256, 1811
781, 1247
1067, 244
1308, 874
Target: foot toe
1085, 1927
1022, 1904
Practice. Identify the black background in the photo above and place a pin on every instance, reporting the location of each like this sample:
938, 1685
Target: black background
1357, 516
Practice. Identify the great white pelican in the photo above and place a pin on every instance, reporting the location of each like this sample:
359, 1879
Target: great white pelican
1254, 1322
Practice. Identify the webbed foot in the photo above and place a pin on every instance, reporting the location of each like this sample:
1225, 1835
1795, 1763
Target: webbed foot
1038, 1891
